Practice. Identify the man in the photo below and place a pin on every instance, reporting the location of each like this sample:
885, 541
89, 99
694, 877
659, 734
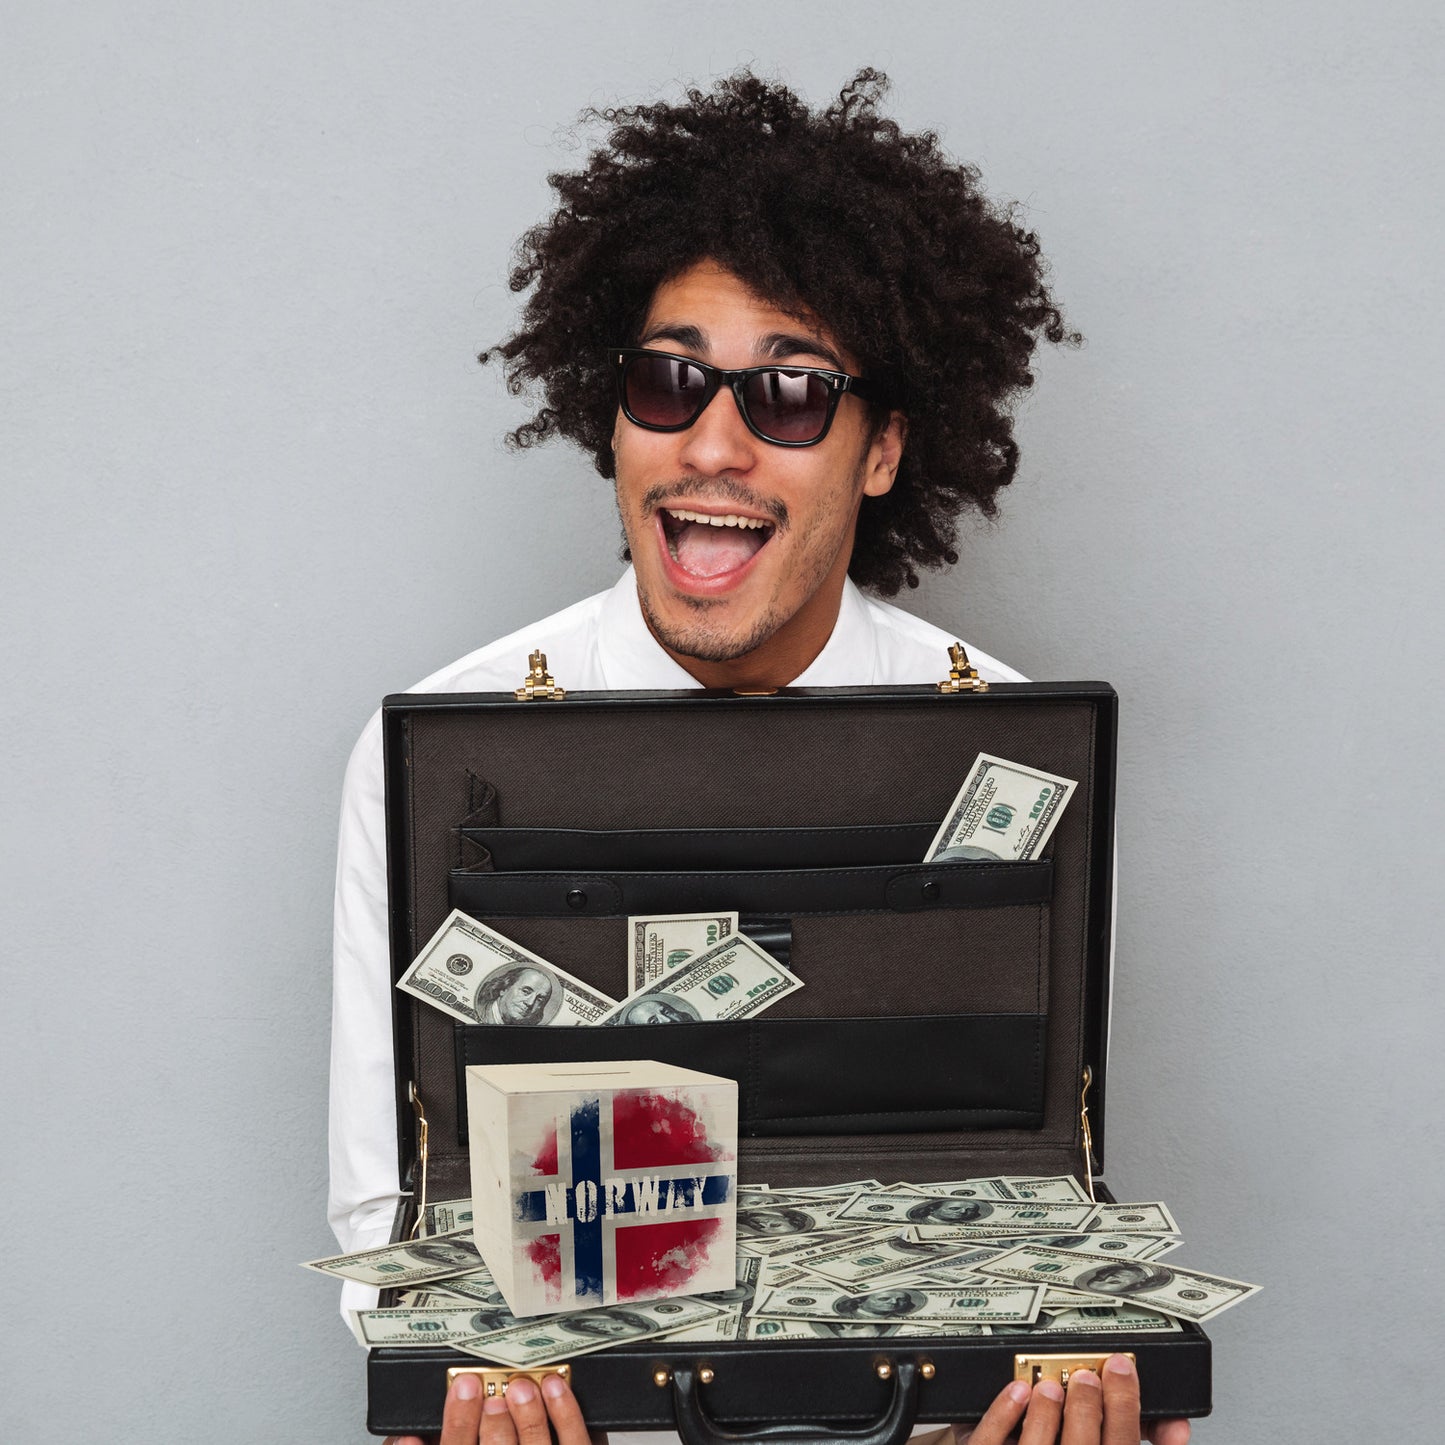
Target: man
792, 340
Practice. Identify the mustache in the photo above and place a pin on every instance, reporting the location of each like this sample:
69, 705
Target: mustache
715, 489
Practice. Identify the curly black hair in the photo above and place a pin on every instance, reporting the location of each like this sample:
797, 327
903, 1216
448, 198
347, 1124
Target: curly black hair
838, 213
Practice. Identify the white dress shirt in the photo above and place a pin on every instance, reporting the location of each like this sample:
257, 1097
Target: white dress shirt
600, 643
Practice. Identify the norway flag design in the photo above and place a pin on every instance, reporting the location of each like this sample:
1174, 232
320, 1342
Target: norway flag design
622, 1195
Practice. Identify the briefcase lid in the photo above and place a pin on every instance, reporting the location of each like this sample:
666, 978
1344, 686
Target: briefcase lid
468, 773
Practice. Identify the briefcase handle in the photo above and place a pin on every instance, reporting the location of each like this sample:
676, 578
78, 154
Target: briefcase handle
892, 1427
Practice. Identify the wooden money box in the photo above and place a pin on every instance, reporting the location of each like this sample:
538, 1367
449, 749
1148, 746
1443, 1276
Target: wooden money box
953, 1023
602, 1184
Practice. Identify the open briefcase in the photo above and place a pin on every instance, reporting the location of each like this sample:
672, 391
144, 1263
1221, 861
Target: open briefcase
953, 1022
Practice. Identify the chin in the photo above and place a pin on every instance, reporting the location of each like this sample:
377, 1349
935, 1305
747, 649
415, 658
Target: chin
694, 635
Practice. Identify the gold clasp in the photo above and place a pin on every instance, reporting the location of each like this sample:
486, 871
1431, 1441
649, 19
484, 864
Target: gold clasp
495, 1381
539, 685
1087, 1133
962, 674
1033, 1368
421, 1157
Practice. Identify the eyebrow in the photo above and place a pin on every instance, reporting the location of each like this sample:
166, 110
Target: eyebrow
779, 344
775, 346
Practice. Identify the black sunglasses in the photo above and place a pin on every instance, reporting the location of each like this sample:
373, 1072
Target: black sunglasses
790, 406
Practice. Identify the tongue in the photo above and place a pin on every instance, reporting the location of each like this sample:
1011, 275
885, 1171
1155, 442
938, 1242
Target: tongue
708, 551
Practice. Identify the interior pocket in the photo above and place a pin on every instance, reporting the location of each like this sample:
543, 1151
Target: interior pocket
647, 849
949, 938
882, 888
820, 1076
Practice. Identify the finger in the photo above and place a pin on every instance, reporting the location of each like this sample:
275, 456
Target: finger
462, 1415
564, 1412
529, 1415
1121, 1401
497, 1427
1046, 1409
999, 1420
1084, 1411
1168, 1432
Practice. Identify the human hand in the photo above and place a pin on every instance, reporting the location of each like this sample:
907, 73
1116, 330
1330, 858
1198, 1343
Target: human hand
1099, 1410
520, 1417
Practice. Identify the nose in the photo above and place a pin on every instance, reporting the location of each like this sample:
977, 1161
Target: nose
719, 440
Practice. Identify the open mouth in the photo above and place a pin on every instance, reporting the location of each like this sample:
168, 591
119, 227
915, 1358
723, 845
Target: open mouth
712, 544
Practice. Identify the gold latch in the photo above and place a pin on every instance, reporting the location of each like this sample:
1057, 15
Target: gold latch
1086, 1133
539, 685
419, 1190
1033, 1368
962, 674
495, 1381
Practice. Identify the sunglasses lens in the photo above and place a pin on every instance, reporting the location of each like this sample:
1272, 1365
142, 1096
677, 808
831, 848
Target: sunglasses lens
663, 391
788, 406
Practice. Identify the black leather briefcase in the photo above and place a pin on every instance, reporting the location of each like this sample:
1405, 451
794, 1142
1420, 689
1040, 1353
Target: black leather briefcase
953, 1016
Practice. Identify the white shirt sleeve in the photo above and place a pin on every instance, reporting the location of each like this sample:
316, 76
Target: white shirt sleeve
364, 1182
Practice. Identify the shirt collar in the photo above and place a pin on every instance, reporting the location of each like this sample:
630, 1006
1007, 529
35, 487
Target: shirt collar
850, 656
631, 657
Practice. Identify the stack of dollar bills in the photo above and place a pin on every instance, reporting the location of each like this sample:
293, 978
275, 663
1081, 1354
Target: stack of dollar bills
998, 1256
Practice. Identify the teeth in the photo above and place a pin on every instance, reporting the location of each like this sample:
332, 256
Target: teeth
712, 520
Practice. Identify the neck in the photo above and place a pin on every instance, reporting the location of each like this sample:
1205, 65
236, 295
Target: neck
786, 654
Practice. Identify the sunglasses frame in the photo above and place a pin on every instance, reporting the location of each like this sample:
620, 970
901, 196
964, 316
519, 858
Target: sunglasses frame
715, 378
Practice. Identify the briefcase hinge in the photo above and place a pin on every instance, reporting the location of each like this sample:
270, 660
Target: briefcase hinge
495, 1381
539, 684
1033, 1368
1086, 1134
419, 1178
962, 674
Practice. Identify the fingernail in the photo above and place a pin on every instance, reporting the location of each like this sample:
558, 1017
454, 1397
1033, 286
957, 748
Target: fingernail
494, 1405
1084, 1377
1050, 1390
552, 1387
523, 1391
467, 1387
1119, 1365
1018, 1392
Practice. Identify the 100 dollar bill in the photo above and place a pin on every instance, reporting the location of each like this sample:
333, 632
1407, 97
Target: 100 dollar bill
421, 1328
446, 1215
934, 1213
1103, 1320
658, 945
538, 1343
732, 980
401, 1266
1004, 812
1120, 1246
476, 975
859, 1265
979, 1304
1182, 1293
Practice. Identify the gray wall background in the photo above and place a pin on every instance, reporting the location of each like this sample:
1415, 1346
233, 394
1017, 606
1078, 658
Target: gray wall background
253, 481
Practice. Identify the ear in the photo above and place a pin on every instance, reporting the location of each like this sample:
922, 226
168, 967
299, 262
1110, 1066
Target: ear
885, 452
